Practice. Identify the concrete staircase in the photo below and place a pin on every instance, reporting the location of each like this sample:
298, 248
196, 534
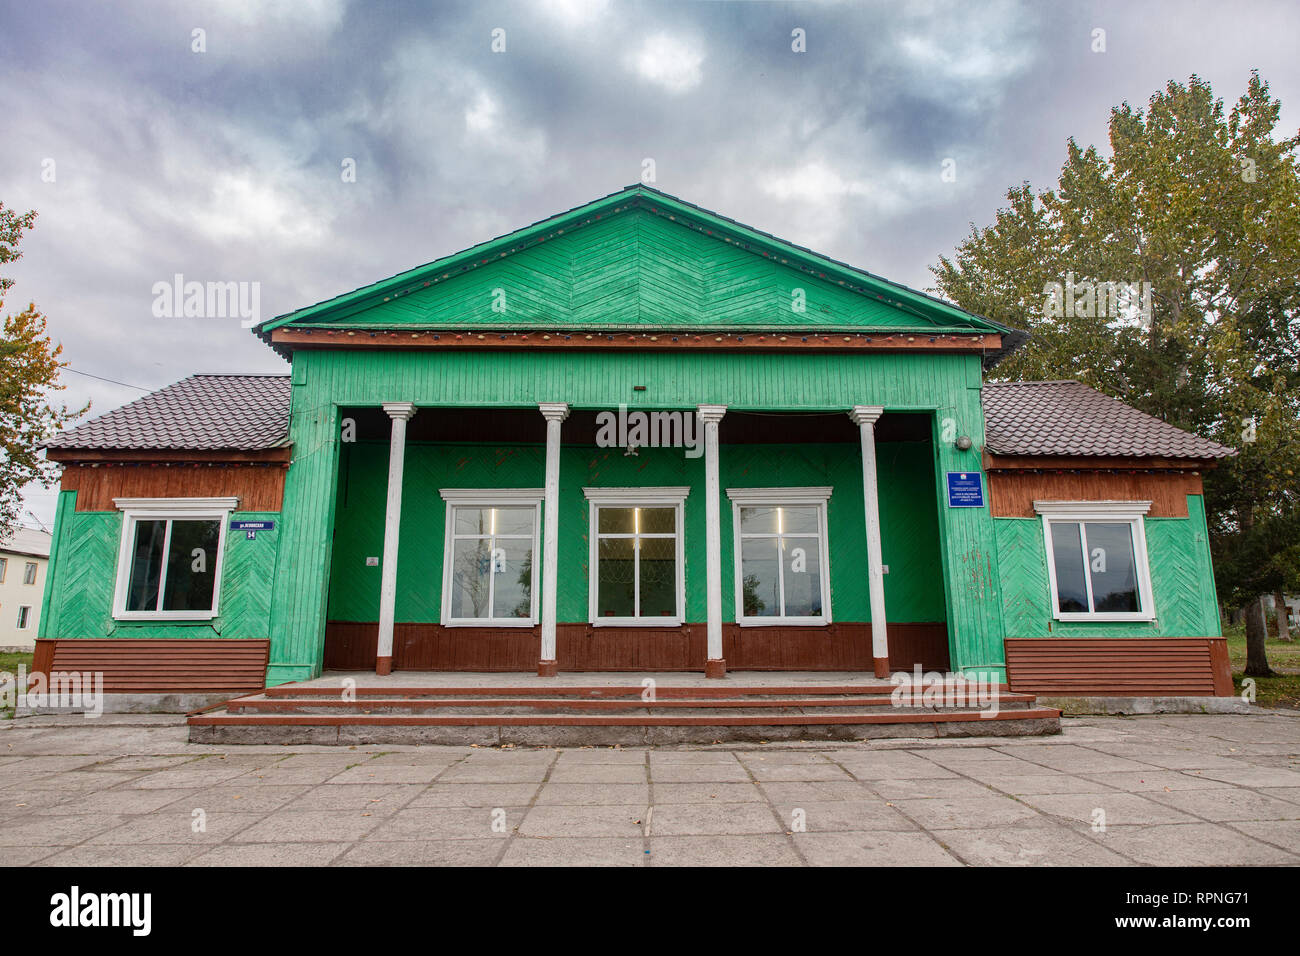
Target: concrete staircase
538, 715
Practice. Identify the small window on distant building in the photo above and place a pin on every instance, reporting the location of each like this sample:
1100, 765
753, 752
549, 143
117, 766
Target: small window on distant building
1097, 560
29, 573
4, 566
170, 561
24, 617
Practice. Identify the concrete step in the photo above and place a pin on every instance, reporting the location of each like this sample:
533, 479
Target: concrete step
612, 729
632, 706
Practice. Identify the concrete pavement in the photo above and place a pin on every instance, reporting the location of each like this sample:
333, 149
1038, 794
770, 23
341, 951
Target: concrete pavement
1160, 790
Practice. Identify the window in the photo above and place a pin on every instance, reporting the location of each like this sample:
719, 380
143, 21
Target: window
24, 615
782, 567
489, 571
1097, 560
169, 566
637, 575
29, 573
4, 566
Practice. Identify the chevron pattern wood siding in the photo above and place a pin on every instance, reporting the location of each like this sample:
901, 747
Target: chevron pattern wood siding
637, 269
1181, 581
80, 603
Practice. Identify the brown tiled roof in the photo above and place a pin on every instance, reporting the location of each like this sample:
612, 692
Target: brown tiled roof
1069, 418
251, 412
200, 413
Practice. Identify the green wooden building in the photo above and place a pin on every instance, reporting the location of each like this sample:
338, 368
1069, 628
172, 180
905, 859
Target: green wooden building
635, 436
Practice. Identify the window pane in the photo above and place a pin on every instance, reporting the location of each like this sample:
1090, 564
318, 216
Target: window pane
1071, 592
803, 577
514, 521
658, 520
758, 520
798, 520
191, 566
658, 577
513, 566
29, 573
614, 577
471, 565
760, 586
472, 521
146, 565
1112, 566
615, 520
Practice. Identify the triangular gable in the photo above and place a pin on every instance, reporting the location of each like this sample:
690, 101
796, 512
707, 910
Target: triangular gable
637, 259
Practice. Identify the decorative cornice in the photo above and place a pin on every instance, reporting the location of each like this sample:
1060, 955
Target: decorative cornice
403, 410
711, 414
866, 414
554, 411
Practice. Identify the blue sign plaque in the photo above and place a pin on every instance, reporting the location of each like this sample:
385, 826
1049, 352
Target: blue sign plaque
965, 489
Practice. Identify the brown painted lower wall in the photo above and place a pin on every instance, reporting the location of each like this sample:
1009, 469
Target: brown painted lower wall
350, 645
1120, 667
132, 666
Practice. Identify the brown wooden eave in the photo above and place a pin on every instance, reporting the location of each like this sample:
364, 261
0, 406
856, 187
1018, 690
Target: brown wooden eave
792, 340
994, 462
225, 456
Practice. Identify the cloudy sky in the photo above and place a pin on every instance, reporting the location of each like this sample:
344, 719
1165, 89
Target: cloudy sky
146, 157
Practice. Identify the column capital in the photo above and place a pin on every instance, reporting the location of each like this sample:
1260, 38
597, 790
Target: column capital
554, 411
403, 410
711, 414
866, 414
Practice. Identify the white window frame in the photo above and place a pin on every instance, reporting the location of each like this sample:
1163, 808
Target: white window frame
489, 498
4, 569
782, 498
667, 497
31, 570
1114, 512
135, 510
24, 621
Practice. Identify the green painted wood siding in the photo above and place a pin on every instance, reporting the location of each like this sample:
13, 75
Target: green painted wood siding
80, 589
913, 588
1182, 581
947, 385
635, 270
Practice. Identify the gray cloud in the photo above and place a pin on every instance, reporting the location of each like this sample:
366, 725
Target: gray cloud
225, 165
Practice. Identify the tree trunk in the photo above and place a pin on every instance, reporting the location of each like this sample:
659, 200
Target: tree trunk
1283, 627
1256, 635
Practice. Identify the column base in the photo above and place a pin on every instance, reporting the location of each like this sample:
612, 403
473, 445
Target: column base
548, 669
715, 668
882, 666
383, 665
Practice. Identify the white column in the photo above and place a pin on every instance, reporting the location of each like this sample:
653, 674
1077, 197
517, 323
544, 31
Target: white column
554, 413
400, 413
710, 416
865, 416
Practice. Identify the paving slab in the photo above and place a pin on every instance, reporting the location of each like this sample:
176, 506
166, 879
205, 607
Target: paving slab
872, 849
751, 850
570, 851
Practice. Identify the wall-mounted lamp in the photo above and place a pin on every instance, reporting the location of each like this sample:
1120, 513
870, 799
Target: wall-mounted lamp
963, 443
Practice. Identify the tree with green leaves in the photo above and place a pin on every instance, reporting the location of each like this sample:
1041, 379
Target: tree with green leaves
29, 372
1195, 214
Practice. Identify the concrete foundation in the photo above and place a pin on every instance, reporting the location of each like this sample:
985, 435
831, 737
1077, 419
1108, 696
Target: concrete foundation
1078, 706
